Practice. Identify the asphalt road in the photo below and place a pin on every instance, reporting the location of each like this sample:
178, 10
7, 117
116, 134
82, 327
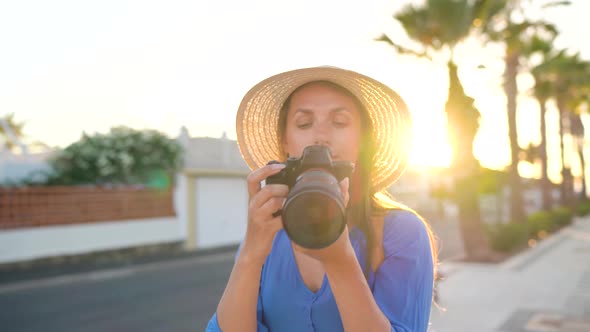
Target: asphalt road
177, 296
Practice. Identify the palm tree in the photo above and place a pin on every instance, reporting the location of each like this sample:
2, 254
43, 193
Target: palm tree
580, 101
14, 128
569, 77
439, 25
577, 131
581, 104
543, 91
522, 38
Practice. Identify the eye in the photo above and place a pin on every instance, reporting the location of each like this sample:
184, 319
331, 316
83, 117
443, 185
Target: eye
303, 125
304, 122
340, 121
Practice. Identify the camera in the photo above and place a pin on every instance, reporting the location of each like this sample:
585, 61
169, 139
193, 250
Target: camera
314, 214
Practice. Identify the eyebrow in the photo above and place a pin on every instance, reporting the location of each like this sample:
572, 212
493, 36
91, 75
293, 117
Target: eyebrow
308, 111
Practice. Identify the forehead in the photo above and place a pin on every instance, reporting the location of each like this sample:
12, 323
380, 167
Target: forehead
323, 93
323, 86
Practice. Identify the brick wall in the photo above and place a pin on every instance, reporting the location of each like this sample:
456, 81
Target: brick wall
45, 206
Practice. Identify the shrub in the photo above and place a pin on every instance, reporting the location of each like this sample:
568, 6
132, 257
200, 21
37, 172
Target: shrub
506, 237
122, 156
539, 222
583, 208
562, 216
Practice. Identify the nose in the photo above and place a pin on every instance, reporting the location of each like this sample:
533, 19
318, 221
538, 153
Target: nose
321, 135
320, 141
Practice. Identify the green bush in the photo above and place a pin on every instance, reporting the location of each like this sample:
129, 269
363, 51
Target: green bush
123, 156
562, 216
506, 237
583, 208
539, 222
490, 181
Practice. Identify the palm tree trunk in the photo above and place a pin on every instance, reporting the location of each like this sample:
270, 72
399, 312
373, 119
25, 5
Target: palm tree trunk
545, 183
584, 193
565, 198
511, 90
577, 131
475, 241
463, 123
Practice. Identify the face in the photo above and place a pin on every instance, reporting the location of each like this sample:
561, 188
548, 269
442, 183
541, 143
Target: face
320, 114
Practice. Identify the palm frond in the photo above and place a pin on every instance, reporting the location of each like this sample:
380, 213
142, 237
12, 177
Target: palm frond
402, 49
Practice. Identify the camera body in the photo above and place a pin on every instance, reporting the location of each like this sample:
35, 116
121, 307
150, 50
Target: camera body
314, 214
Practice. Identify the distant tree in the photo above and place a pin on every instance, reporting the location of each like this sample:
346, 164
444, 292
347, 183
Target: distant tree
543, 91
569, 79
521, 38
16, 127
122, 156
439, 26
578, 134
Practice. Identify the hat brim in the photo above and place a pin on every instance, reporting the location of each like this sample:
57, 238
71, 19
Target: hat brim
258, 114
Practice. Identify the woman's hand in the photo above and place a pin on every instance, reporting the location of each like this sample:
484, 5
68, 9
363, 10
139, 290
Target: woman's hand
262, 203
337, 250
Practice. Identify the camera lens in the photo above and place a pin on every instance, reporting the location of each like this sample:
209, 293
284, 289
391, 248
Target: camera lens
314, 213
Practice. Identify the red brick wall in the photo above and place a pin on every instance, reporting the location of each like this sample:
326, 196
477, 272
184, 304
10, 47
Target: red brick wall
44, 206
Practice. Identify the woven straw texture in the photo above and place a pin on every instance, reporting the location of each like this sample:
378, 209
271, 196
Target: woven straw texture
257, 119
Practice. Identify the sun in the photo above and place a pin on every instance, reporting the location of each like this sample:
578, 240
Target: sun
430, 147
430, 152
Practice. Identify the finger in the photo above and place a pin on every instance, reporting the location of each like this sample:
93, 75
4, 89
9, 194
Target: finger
260, 174
277, 224
271, 206
271, 190
344, 186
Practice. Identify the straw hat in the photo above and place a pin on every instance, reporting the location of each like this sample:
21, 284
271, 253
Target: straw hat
258, 114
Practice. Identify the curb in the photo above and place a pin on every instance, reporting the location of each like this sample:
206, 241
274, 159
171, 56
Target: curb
519, 260
101, 261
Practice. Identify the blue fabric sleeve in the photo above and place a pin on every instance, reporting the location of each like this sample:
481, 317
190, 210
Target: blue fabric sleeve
404, 282
213, 325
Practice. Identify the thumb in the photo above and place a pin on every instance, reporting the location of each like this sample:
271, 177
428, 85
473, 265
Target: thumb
344, 186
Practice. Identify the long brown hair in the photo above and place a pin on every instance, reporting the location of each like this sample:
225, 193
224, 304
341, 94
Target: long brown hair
364, 204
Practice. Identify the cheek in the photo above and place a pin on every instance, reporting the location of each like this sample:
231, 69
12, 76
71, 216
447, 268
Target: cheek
350, 144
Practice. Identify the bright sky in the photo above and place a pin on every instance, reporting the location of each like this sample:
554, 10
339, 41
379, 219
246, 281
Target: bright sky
73, 66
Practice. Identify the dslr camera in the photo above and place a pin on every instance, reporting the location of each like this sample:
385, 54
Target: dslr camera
314, 214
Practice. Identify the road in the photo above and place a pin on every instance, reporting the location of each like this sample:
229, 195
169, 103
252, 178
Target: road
177, 296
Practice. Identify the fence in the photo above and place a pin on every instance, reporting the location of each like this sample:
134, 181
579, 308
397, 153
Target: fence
47, 206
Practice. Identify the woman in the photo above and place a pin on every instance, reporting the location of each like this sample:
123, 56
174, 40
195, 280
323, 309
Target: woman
378, 275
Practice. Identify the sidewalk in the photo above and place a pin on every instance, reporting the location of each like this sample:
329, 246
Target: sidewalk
544, 289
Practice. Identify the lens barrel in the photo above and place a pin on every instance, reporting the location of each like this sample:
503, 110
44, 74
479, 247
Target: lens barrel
314, 214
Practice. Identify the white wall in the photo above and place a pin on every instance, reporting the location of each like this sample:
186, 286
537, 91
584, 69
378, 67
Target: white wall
32, 243
220, 216
180, 203
15, 167
221, 210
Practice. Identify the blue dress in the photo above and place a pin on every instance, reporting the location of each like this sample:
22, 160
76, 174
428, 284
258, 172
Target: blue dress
402, 286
